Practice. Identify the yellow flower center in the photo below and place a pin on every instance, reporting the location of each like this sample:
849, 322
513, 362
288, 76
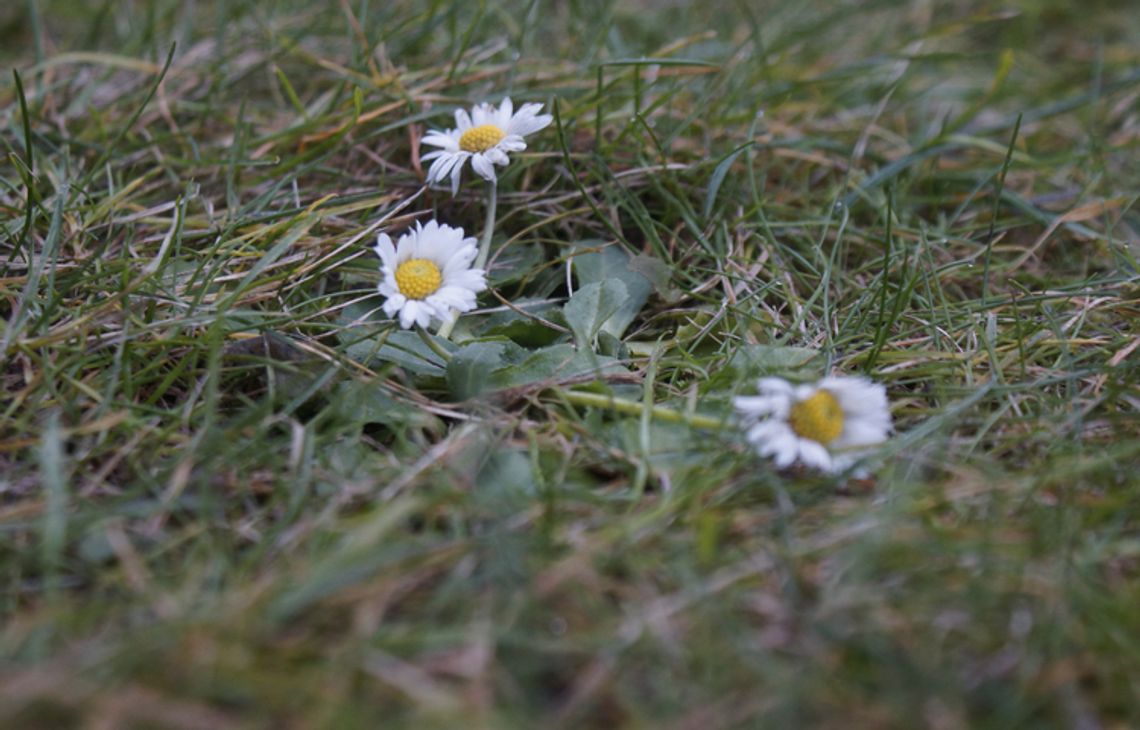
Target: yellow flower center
418, 278
818, 418
481, 138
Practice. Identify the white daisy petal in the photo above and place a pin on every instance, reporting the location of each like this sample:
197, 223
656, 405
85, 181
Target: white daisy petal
859, 434
455, 173
483, 166
460, 260
408, 314
756, 406
440, 139
767, 430
388, 287
426, 313
473, 279
813, 454
856, 394
774, 386
386, 250
783, 450
828, 425
530, 109
497, 156
394, 304
454, 297
445, 165
526, 123
437, 279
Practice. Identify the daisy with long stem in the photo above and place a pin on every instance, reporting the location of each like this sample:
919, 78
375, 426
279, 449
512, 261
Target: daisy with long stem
485, 137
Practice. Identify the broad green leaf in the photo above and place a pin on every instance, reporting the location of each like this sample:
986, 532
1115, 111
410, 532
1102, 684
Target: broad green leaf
354, 401
515, 262
590, 307
403, 348
658, 273
523, 330
505, 481
763, 359
614, 264
400, 347
612, 346
482, 367
555, 363
470, 368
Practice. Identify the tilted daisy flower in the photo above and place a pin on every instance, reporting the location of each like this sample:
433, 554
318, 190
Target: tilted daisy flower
484, 136
428, 273
828, 425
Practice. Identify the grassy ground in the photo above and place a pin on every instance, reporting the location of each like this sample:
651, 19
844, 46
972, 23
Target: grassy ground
232, 496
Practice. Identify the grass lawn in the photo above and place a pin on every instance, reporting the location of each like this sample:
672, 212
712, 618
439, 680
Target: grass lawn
235, 494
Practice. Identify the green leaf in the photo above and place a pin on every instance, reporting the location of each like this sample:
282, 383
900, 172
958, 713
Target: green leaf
658, 273
478, 368
765, 359
403, 348
590, 308
553, 364
470, 368
612, 346
506, 481
367, 338
358, 402
516, 262
523, 330
614, 264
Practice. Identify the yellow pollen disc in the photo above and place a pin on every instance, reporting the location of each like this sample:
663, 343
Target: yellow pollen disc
481, 138
418, 278
818, 418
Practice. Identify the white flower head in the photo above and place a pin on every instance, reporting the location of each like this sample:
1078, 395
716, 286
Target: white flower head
428, 273
484, 136
828, 425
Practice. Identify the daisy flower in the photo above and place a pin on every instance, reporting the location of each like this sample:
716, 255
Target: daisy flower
428, 273
828, 425
484, 136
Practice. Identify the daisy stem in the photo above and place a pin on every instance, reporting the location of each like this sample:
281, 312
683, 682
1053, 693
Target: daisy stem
484, 252
432, 344
636, 408
488, 226
448, 324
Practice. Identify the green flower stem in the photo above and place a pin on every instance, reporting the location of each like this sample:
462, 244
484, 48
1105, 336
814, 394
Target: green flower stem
448, 324
484, 251
636, 408
488, 226
431, 343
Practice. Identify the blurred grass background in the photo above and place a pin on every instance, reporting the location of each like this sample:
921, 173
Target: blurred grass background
226, 502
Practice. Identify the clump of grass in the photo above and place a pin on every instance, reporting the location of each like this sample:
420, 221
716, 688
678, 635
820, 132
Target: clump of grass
232, 496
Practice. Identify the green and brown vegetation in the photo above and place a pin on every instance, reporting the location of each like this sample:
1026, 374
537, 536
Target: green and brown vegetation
233, 495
